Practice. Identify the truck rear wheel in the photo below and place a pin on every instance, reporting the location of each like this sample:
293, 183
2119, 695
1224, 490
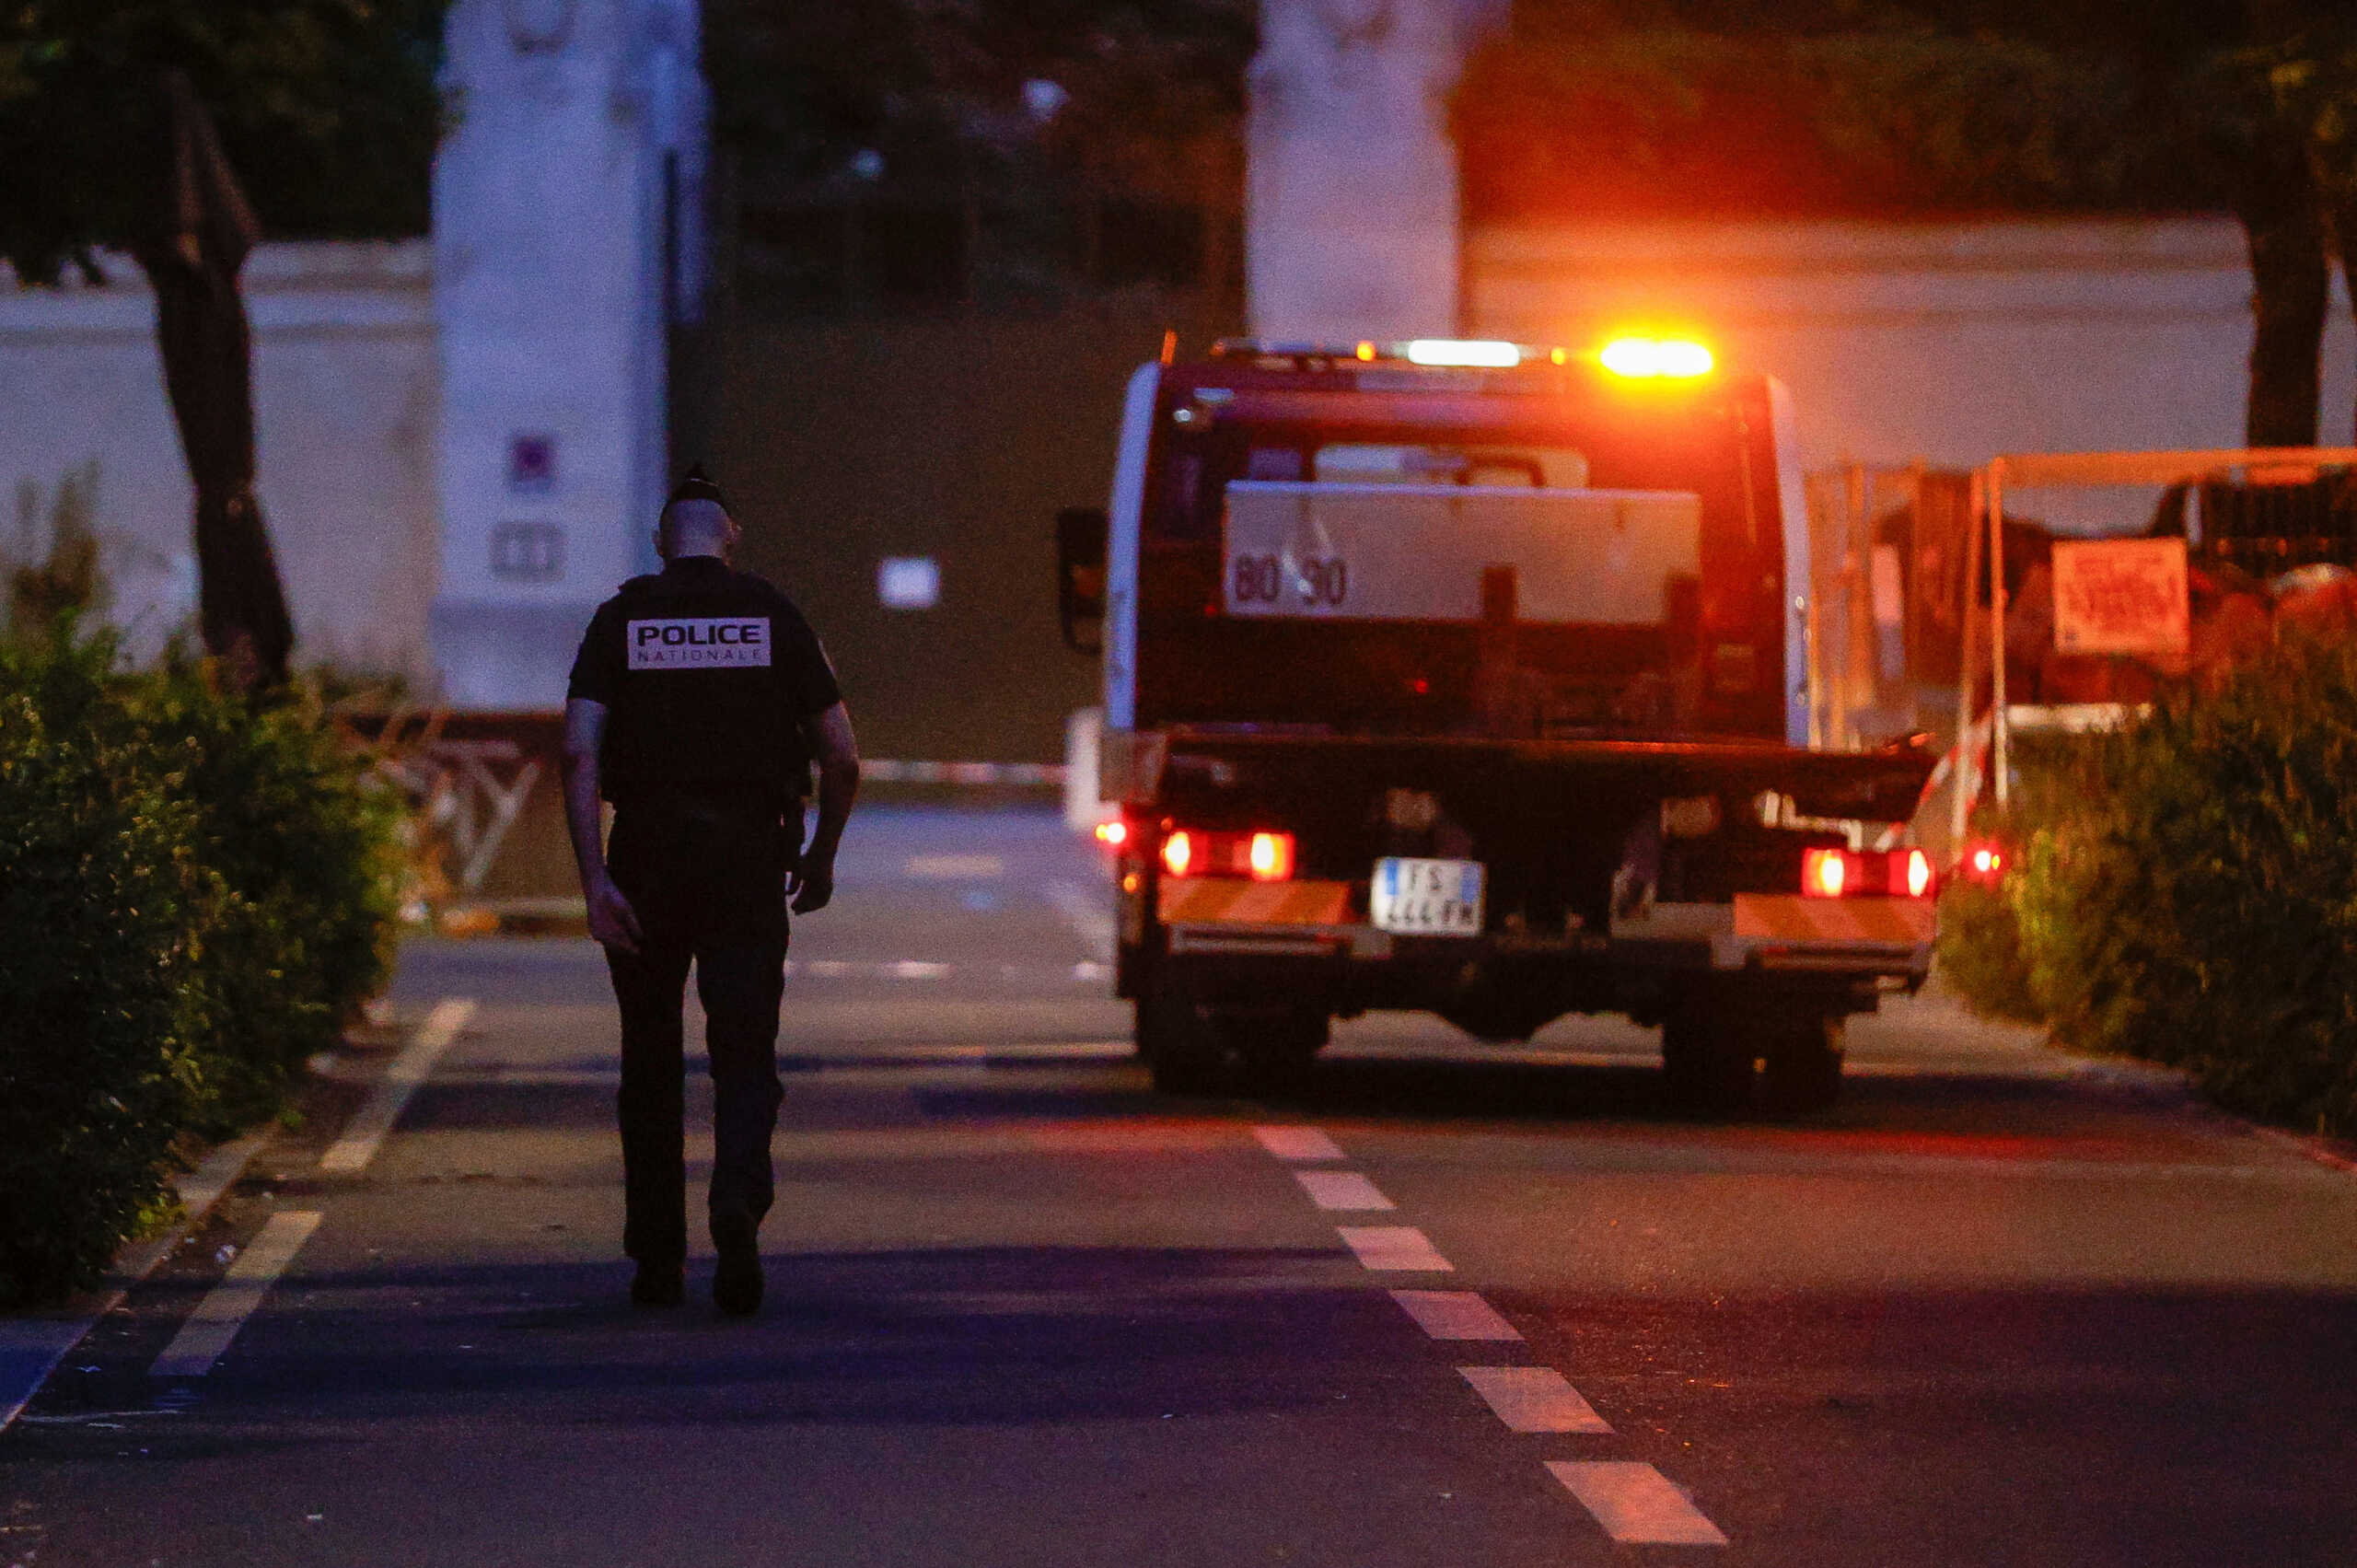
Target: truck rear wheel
1184, 1043
1707, 1053
1804, 1056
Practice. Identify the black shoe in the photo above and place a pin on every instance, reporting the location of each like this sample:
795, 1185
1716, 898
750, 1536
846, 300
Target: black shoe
659, 1285
737, 1284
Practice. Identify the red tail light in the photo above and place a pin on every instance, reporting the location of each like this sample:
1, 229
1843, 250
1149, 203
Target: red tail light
1113, 834
1846, 874
1269, 856
1983, 863
1262, 855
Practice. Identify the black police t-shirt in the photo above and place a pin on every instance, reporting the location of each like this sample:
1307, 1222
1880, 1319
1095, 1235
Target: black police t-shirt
705, 674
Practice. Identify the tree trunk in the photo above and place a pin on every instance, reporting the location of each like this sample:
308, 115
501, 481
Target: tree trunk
2282, 212
192, 257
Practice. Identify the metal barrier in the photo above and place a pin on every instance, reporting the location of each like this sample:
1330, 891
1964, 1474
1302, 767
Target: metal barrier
2260, 510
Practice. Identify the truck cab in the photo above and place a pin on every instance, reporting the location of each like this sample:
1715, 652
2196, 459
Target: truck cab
1471, 678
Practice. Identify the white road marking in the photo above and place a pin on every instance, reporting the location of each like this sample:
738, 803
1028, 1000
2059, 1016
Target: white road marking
1454, 1315
32, 1347
953, 868
223, 1312
358, 1145
913, 968
1089, 911
1534, 1399
1297, 1142
1341, 1189
1395, 1248
1636, 1503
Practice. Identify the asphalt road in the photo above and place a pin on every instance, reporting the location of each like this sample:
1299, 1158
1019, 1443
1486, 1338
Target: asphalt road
1992, 1309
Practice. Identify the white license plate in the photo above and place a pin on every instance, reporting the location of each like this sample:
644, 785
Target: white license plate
1430, 898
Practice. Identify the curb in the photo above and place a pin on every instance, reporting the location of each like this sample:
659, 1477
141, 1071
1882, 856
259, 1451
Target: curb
890, 769
31, 1346
2323, 1151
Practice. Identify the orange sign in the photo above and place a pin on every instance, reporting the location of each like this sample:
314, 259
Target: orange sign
2121, 596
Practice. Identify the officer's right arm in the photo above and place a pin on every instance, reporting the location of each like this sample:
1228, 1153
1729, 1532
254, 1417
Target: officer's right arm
612, 920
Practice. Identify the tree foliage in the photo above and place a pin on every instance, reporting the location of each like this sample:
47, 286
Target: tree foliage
1840, 106
328, 108
936, 90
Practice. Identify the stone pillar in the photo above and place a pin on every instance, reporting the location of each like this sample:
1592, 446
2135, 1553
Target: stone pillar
567, 235
1351, 197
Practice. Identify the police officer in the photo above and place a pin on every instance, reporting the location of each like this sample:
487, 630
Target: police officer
699, 699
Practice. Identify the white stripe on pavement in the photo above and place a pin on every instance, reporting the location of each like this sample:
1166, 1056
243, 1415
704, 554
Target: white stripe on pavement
915, 969
1341, 1189
225, 1310
1454, 1315
1297, 1142
1636, 1504
1394, 1248
1089, 913
953, 868
358, 1145
32, 1347
1534, 1399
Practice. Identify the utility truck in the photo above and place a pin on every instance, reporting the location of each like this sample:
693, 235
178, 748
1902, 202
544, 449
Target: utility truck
1473, 678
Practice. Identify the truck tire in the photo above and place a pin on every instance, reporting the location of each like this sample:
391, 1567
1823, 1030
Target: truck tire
1277, 1053
1184, 1044
1804, 1057
1707, 1054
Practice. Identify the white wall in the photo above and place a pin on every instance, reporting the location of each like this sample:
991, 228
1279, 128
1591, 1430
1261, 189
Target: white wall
1947, 342
345, 388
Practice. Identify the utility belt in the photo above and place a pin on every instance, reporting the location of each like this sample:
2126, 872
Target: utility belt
732, 799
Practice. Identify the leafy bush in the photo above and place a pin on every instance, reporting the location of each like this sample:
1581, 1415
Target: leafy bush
2186, 889
196, 892
102, 1001
312, 855
1980, 954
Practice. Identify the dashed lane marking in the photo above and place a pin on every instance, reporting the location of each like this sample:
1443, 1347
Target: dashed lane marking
1297, 1142
351, 1153
1089, 913
1454, 1315
1341, 1189
953, 868
1636, 1504
32, 1347
1395, 1248
913, 968
1534, 1399
224, 1311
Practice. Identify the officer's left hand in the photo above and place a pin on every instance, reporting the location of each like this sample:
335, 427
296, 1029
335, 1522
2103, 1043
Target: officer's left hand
811, 883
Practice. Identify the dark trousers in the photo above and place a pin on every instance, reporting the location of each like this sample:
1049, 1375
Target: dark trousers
706, 879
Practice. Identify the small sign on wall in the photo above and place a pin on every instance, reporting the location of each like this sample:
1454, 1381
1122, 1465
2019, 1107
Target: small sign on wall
529, 552
2122, 596
908, 582
531, 463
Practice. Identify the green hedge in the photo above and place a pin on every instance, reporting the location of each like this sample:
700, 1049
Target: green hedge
196, 892
2185, 890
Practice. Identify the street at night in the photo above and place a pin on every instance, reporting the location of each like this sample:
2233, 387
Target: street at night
1446, 1304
